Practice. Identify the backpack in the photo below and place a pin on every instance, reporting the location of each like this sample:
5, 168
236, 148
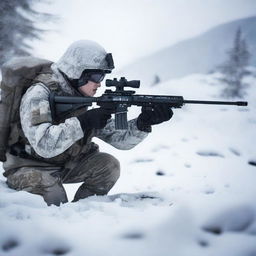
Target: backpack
17, 75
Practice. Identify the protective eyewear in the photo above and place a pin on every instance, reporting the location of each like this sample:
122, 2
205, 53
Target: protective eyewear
94, 77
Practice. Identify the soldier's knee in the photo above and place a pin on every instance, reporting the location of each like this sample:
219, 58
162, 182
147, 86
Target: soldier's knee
38, 182
24, 179
116, 169
113, 165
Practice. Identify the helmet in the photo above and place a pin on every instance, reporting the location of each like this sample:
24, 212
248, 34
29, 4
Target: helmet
84, 55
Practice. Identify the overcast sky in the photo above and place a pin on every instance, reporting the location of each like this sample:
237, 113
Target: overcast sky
134, 28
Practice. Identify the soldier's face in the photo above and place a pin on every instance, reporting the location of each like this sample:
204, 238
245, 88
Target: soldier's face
89, 89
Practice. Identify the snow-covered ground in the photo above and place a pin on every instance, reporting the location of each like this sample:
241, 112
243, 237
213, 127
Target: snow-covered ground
188, 189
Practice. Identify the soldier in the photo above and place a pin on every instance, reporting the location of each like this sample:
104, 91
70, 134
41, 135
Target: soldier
49, 152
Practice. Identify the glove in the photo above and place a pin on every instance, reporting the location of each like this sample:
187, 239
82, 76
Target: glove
94, 119
157, 115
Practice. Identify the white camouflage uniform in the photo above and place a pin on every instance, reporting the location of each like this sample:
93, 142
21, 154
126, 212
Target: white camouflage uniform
51, 140
58, 153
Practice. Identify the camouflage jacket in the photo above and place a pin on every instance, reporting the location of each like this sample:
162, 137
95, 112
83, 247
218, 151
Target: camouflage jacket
57, 143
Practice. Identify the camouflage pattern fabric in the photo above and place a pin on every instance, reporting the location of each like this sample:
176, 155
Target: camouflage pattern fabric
50, 140
98, 172
57, 149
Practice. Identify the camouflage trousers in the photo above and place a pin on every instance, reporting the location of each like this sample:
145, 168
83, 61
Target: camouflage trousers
98, 172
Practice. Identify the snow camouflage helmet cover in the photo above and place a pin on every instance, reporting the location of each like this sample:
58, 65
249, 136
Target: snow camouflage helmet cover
83, 55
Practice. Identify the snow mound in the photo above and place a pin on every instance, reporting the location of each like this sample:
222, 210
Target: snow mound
236, 219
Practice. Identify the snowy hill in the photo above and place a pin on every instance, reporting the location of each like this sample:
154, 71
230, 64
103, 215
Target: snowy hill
188, 189
196, 55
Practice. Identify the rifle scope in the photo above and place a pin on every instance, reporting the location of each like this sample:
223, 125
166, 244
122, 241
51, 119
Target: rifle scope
123, 83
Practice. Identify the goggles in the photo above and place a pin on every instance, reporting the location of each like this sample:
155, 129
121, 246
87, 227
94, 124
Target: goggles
94, 77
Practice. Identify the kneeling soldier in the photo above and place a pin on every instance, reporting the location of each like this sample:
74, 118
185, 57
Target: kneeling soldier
49, 152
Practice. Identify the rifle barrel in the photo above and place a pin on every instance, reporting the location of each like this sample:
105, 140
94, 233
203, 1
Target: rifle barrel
73, 100
236, 103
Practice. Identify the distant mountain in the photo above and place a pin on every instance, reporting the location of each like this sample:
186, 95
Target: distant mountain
200, 54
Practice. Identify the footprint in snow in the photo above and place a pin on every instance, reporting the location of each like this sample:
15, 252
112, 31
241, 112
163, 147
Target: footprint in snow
9, 245
187, 165
209, 153
203, 243
55, 246
160, 147
252, 162
132, 197
235, 152
237, 219
56, 251
133, 235
160, 173
143, 160
208, 190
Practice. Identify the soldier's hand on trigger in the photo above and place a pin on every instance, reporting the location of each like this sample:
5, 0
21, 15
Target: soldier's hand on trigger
94, 119
158, 114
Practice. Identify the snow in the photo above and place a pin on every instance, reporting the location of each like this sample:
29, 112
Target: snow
188, 189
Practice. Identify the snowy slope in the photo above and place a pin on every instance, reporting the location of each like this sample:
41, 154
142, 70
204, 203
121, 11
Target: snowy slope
199, 54
186, 190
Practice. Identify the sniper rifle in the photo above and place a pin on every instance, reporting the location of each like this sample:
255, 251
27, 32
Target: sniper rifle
119, 100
